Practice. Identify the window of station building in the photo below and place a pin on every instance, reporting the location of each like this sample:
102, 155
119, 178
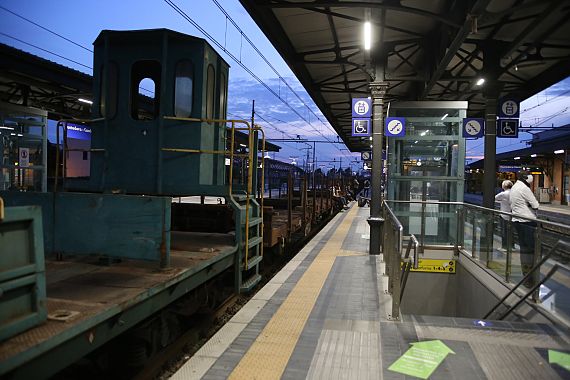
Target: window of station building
223, 96
145, 90
109, 90
210, 82
183, 82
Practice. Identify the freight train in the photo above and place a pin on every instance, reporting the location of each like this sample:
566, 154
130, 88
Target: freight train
118, 253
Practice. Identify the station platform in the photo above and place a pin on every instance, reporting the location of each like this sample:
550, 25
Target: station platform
325, 316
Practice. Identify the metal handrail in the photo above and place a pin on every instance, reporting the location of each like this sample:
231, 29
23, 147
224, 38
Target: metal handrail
407, 264
259, 129
481, 208
536, 266
467, 211
531, 291
397, 225
392, 250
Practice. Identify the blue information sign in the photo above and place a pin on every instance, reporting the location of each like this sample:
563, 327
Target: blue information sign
473, 128
361, 127
361, 108
508, 108
395, 127
508, 128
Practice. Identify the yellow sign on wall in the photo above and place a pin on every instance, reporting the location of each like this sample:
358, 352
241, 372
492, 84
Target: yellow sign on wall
435, 266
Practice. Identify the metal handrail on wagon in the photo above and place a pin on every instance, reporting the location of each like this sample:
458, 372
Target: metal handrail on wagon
251, 129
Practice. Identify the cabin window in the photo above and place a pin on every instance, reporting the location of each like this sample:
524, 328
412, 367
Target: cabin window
145, 90
210, 81
183, 89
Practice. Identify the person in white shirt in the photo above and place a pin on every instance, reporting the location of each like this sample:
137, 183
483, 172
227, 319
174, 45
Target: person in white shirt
504, 199
523, 208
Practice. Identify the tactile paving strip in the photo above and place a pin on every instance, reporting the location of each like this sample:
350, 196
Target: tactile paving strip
269, 354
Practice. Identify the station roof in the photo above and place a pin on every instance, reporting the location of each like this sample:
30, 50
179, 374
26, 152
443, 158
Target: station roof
430, 50
543, 144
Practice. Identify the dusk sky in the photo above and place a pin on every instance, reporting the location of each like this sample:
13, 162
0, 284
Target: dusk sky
81, 22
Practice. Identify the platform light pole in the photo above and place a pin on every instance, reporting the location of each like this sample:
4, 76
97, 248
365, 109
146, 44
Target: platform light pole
376, 221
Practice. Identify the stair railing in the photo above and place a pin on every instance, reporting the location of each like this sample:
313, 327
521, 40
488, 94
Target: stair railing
408, 263
528, 276
392, 254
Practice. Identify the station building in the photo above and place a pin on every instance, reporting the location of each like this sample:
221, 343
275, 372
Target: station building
546, 158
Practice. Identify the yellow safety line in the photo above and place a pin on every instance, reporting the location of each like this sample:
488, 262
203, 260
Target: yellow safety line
268, 355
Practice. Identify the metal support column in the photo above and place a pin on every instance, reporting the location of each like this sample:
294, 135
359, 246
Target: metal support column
378, 90
491, 92
490, 164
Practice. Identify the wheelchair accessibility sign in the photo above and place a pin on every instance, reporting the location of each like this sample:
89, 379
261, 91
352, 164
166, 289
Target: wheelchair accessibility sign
508, 128
361, 127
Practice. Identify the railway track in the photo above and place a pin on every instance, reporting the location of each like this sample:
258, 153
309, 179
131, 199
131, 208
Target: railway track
163, 365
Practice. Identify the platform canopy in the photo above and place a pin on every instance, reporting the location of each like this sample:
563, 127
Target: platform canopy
430, 50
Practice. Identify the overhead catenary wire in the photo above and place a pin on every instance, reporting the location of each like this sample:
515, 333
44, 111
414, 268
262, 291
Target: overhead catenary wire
348, 157
240, 63
46, 50
201, 30
55, 34
555, 98
281, 78
82, 46
270, 125
46, 29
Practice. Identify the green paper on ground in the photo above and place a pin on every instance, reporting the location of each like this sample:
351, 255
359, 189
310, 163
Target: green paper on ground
421, 359
560, 358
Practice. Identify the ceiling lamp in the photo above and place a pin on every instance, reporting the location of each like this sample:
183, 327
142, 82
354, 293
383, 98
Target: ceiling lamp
367, 35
